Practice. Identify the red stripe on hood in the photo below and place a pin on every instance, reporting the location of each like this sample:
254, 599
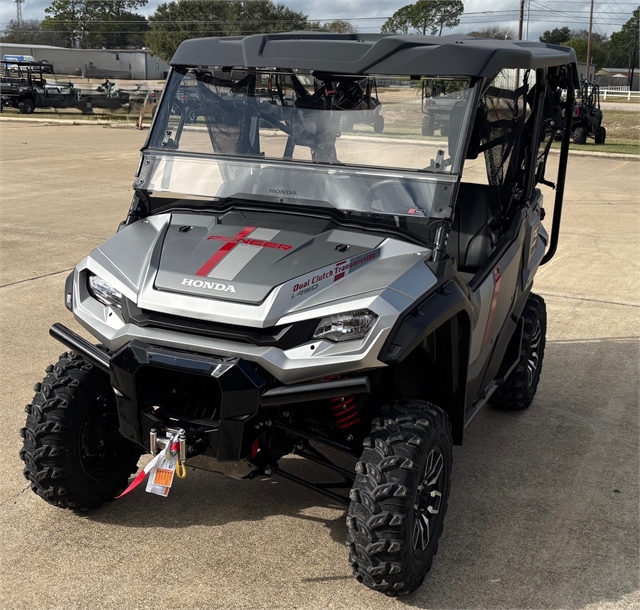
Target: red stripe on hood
205, 270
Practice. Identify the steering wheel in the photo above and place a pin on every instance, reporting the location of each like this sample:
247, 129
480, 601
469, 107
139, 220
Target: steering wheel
389, 190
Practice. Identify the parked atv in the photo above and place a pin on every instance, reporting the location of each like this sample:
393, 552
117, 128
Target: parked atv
360, 97
277, 288
24, 86
437, 105
587, 115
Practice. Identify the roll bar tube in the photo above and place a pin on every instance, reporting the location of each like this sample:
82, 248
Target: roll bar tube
562, 169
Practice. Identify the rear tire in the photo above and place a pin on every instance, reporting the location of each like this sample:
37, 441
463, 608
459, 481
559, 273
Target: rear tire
579, 135
428, 128
399, 497
346, 123
601, 135
26, 105
378, 126
520, 387
73, 453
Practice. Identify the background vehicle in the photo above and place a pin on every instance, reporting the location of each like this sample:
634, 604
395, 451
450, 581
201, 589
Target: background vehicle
361, 97
437, 104
24, 86
280, 285
587, 115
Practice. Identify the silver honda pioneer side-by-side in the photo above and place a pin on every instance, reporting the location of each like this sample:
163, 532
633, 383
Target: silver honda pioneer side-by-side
282, 283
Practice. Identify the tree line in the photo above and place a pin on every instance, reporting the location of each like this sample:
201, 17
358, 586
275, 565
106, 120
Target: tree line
116, 24
620, 50
95, 24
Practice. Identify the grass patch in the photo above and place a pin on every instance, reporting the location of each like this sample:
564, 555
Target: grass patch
621, 125
626, 147
619, 100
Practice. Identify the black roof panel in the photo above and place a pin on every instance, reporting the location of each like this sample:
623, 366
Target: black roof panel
454, 55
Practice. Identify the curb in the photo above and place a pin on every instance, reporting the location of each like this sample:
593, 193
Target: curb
133, 125
606, 155
102, 122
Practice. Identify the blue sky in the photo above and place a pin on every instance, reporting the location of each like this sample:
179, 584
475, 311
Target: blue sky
368, 15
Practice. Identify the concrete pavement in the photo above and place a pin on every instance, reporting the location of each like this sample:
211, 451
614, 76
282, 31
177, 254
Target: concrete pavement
544, 504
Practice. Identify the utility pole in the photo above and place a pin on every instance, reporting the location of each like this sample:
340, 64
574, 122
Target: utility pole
19, 11
520, 24
589, 41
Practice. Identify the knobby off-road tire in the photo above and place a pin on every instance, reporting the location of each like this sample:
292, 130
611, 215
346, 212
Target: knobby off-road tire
520, 387
378, 126
428, 127
73, 453
346, 124
579, 135
26, 105
399, 497
601, 135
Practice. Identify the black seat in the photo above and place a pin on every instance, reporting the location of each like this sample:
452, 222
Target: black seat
471, 240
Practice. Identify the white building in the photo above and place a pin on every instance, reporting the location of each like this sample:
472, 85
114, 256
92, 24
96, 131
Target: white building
94, 63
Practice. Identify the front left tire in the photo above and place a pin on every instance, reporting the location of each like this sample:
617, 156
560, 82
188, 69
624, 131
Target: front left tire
73, 452
399, 497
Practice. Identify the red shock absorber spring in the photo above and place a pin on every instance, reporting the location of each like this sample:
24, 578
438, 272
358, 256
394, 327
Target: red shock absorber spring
345, 411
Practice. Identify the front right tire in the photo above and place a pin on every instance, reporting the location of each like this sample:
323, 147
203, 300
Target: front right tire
399, 497
73, 452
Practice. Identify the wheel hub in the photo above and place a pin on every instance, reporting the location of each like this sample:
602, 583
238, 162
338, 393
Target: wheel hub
534, 354
428, 501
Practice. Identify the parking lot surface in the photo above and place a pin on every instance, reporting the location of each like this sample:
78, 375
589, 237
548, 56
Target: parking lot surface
544, 504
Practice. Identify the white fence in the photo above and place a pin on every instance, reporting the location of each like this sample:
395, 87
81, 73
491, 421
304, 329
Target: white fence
618, 91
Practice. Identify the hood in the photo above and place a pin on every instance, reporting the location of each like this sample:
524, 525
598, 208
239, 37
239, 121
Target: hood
243, 261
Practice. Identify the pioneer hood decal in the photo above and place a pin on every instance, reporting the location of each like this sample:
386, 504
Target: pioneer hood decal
245, 263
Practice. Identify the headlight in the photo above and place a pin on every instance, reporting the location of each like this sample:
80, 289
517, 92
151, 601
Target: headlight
345, 326
104, 292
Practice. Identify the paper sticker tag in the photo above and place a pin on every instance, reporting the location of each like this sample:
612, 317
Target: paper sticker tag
161, 476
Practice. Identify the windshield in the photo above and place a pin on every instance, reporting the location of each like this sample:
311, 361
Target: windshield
375, 145
349, 120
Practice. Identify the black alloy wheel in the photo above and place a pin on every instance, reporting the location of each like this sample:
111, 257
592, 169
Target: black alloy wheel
399, 497
428, 501
520, 387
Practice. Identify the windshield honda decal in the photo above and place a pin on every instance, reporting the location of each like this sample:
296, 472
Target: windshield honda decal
330, 274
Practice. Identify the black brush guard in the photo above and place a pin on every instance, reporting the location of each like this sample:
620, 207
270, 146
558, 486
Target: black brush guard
236, 388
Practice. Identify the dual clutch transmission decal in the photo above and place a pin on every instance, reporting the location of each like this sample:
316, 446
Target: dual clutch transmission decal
326, 276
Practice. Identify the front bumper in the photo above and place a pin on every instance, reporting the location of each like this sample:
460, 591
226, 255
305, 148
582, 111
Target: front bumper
217, 400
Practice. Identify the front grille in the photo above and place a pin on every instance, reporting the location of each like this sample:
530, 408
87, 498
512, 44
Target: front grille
284, 337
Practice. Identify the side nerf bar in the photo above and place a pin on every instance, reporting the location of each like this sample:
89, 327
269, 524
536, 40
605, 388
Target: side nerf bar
277, 396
